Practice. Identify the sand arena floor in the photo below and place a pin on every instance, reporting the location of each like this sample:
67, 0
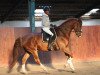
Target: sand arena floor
82, 68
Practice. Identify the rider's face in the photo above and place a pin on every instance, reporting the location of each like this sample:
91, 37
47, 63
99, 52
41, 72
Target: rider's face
47, 12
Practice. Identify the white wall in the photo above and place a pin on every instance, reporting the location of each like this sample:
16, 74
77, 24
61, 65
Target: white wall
39, 23
19, 24
89, 22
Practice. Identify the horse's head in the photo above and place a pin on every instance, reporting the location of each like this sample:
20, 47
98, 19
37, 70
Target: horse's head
78, 27
69, 25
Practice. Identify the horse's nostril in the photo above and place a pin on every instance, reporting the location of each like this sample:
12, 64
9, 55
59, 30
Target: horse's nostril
79, 36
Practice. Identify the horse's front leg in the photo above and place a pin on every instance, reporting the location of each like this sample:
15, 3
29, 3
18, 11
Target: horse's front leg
69, 60
37, 60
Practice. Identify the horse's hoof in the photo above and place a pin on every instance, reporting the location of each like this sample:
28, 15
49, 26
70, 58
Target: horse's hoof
23, 72
47, 72
73, 71
9, 71
65, 65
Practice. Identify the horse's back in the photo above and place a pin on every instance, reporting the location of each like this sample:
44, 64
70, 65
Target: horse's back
29, 36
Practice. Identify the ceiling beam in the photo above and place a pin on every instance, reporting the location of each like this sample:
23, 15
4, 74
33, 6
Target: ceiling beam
55, 1
61, 16
71, 9
63, 4
65, 12
10, 11
64, 1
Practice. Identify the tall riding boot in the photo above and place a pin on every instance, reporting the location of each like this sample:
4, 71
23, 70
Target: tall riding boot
49, 43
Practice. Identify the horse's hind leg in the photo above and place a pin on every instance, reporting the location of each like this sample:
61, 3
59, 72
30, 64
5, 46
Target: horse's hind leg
69, 61
37, 60
24, 59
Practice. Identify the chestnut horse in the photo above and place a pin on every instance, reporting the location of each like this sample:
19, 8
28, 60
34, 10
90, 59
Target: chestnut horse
32, 43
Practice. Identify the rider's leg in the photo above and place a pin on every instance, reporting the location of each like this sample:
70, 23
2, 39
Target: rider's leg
49, 43
47, 30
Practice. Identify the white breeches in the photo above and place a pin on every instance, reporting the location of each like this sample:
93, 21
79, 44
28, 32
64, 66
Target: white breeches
47, 30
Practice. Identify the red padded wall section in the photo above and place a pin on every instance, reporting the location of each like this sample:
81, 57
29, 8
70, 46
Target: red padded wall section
85, 48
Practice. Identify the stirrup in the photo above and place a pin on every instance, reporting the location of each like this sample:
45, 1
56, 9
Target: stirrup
50, 48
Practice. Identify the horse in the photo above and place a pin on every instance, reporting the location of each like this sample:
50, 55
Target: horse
33, 42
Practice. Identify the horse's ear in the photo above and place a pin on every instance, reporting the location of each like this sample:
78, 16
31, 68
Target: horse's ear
80, 20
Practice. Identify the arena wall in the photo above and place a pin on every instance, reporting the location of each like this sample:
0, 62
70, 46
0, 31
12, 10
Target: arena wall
85, 48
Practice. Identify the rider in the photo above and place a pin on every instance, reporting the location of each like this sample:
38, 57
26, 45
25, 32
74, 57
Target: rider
46, 24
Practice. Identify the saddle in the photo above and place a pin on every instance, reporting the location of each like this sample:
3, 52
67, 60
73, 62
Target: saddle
47, 38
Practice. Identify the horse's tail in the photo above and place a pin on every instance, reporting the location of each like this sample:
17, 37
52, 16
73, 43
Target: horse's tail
17, 45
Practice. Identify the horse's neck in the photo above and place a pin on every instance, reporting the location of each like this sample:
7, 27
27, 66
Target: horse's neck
63, 31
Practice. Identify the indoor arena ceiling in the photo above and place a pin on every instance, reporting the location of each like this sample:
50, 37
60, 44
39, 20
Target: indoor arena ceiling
60, 9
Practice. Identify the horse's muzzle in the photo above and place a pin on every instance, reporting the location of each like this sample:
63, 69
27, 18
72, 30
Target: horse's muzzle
79, 34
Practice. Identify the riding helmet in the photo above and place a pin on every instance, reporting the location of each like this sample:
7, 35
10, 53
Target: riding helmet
46, 8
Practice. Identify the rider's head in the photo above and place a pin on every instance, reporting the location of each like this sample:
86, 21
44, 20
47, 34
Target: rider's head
46, 10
